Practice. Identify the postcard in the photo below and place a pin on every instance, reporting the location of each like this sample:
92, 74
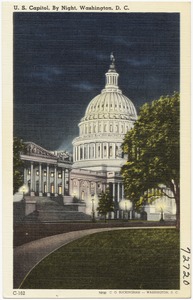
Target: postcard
96, 150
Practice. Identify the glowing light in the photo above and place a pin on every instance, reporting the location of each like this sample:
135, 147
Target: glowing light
24, 189
125, 204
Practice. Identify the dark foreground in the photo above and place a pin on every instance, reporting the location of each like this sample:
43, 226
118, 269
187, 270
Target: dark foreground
27, 232
122, 259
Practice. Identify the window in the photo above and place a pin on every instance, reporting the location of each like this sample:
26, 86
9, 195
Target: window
59, 190
105, 150
98, 150
81, 153
116, 150
52, 188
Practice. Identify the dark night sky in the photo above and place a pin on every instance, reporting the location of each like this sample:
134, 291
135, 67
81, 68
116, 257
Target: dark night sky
60, 60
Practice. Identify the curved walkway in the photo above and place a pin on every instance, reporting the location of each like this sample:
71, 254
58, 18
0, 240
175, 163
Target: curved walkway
27, 256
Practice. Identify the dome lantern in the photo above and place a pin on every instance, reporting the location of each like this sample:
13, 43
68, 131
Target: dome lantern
111, 76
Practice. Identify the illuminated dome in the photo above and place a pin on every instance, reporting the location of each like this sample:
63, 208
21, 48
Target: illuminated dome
111, 103
107, 119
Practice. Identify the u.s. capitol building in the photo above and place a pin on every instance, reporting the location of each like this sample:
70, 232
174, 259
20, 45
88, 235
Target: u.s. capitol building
97, 156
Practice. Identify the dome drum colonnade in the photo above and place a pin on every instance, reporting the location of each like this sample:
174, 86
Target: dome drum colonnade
97, 149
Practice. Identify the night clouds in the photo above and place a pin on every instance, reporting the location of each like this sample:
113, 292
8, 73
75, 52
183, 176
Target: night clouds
60, 60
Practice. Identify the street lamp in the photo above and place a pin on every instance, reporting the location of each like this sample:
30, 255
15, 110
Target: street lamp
74, 195
23, 190
93, 210
162, 215
125, 205
160, 205
126, 212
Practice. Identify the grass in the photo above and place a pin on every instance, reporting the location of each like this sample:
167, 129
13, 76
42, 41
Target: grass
123, 259
27, 232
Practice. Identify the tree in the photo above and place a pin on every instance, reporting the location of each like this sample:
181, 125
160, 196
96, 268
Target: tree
18, 164
105, 204
153, 152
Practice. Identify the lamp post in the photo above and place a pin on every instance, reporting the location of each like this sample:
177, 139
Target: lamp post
74, 196
126, 212
125, 206
23, 189
162, 215
161, 206
93, 210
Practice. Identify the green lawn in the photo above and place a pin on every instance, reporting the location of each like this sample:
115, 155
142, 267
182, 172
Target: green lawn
122, 259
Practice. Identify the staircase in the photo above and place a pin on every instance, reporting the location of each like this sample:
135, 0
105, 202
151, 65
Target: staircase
56, 209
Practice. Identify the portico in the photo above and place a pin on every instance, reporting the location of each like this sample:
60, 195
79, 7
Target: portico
46, 173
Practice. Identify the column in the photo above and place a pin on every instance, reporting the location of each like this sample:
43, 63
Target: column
115, 202
78, 189
114, 150
25, 176
95, 188
69, 181
94, 151
107, 145
122, 191
88, 153
32, 180
78, 149
113, 191
48, 180
40, 179
118, 192
74, 154
63, 181
55, 182
83, 152
100, 150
